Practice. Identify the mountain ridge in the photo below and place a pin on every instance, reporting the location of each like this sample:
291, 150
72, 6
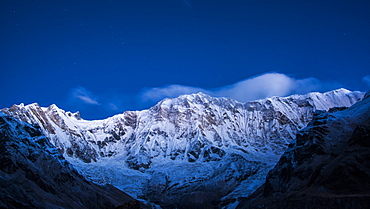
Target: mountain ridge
50, 118
183, 133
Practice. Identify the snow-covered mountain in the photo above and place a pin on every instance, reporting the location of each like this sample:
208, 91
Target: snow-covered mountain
326, 166
33, 174
184, 147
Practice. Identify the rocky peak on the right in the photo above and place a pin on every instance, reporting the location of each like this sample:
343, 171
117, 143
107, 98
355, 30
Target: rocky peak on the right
326, 166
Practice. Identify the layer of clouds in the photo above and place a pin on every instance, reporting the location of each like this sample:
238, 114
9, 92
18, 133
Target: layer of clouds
267, 85
366, 79
81, 94
259, 87
172, 91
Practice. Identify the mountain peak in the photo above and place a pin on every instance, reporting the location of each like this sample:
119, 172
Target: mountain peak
191, 97
342, 90
54, 107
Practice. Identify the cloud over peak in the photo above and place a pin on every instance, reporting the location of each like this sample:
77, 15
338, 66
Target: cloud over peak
253, 88
258, 87
266, 85
174, 90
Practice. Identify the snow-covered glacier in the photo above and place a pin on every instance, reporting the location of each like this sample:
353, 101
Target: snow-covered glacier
185, 151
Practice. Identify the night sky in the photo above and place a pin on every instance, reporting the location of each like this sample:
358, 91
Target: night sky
105, 57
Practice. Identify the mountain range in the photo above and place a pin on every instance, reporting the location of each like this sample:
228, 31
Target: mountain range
194, 151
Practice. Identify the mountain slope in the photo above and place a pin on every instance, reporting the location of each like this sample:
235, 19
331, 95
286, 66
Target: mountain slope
326, 166
186, 147
34, 175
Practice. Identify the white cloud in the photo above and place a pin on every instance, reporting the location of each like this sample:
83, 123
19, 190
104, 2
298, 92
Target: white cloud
266, 85
366, 79
84, 95
156, 94
259, 87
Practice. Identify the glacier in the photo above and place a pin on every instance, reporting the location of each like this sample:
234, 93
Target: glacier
186, 151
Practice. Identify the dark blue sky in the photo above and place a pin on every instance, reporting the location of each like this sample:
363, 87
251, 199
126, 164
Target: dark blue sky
105, 57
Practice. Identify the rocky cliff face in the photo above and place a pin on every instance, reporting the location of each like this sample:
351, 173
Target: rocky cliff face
195, 144
34, 175
326, 166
